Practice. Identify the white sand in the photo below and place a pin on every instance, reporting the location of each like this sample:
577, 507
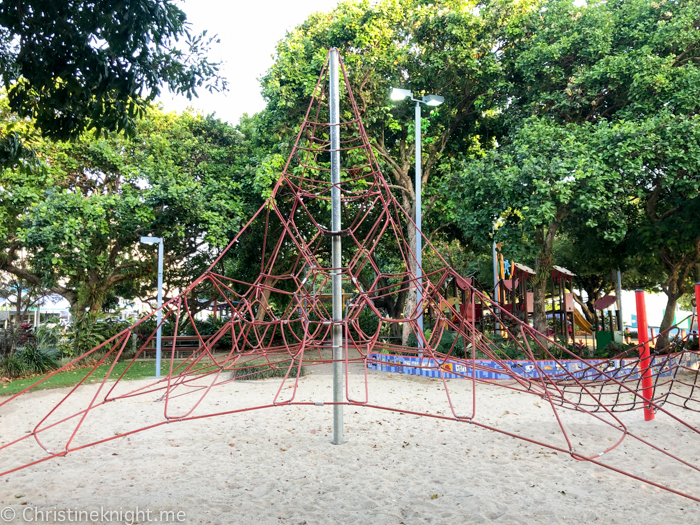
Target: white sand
269, 466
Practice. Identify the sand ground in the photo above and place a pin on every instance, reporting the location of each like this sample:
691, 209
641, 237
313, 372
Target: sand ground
277, 465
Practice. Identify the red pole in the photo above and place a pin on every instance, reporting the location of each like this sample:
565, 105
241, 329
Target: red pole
697, 310
644, 368
697, 301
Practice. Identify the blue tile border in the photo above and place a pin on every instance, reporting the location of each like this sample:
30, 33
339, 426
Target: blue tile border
592, 369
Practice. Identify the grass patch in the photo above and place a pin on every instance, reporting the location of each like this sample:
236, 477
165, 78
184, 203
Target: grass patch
261, 369
139, 370
251, 370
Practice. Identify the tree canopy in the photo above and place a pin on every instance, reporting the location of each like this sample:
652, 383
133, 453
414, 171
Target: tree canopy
183, 178
598, 138
75, 64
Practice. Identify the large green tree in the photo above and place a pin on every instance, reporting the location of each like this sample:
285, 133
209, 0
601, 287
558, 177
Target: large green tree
449, 47
659, 160
180, 177
546, 176
592, 74
77, 64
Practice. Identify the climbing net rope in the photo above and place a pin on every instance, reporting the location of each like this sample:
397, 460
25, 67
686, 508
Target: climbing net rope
273, 281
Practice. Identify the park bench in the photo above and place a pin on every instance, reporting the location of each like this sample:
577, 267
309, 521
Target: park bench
185, 346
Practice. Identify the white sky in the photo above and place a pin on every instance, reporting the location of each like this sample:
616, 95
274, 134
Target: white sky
249, 31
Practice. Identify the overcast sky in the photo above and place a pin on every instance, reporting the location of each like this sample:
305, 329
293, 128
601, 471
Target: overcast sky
249, 31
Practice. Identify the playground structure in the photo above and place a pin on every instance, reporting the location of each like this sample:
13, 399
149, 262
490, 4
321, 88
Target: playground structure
513, 293
280, 320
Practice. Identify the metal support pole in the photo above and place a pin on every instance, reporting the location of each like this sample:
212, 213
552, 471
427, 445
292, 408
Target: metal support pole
497, 326
644, 358
160, 303
336, 260
618, 291
419, 225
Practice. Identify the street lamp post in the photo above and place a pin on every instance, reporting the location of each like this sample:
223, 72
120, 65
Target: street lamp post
428, 100
159, 241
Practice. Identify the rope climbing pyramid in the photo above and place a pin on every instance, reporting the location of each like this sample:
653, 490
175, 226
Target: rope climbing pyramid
295, 300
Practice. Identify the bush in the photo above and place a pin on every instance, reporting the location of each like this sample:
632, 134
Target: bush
8, 340
261, 369
444, 344
12, 366
611, 350
38, 360
368, 323
92, 330
210, 326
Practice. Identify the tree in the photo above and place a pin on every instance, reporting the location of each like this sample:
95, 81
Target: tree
546, 175
180, 177
77, 64
595, 261
606, 67
448, 47
619, 59
659, 159
20, 295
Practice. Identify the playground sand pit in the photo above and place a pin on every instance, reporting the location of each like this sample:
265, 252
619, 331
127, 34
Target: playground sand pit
277, 465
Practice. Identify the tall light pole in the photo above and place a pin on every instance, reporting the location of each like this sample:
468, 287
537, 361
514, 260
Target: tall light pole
159, 241
428, 100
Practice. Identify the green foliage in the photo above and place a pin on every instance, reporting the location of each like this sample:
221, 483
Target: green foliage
619, 59
449, 47
505, 348
264, 369
38, 359
444, 345
544, 175
609, 351
12, 366
183, 178
368, 323
74, 65
89, 331
210, 326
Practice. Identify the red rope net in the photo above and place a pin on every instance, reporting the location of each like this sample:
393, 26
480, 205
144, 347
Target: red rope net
281, 263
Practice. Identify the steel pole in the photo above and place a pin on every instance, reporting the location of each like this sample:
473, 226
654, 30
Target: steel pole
496, 297
336, 260
160, 303
618, 290
419, 225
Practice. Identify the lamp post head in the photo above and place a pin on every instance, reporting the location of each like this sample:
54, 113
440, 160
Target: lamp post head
433, 100
400, 94
151, 240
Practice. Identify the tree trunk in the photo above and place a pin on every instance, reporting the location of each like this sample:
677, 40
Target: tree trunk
667, 321
18, 308
586, 307
539, 314
265, 299
543, 273
411, 300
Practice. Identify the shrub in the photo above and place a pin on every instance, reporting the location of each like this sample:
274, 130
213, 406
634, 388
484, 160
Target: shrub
92, 330
261, 369
13, 367
506, 348
210, 326
447, 339
38, 360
